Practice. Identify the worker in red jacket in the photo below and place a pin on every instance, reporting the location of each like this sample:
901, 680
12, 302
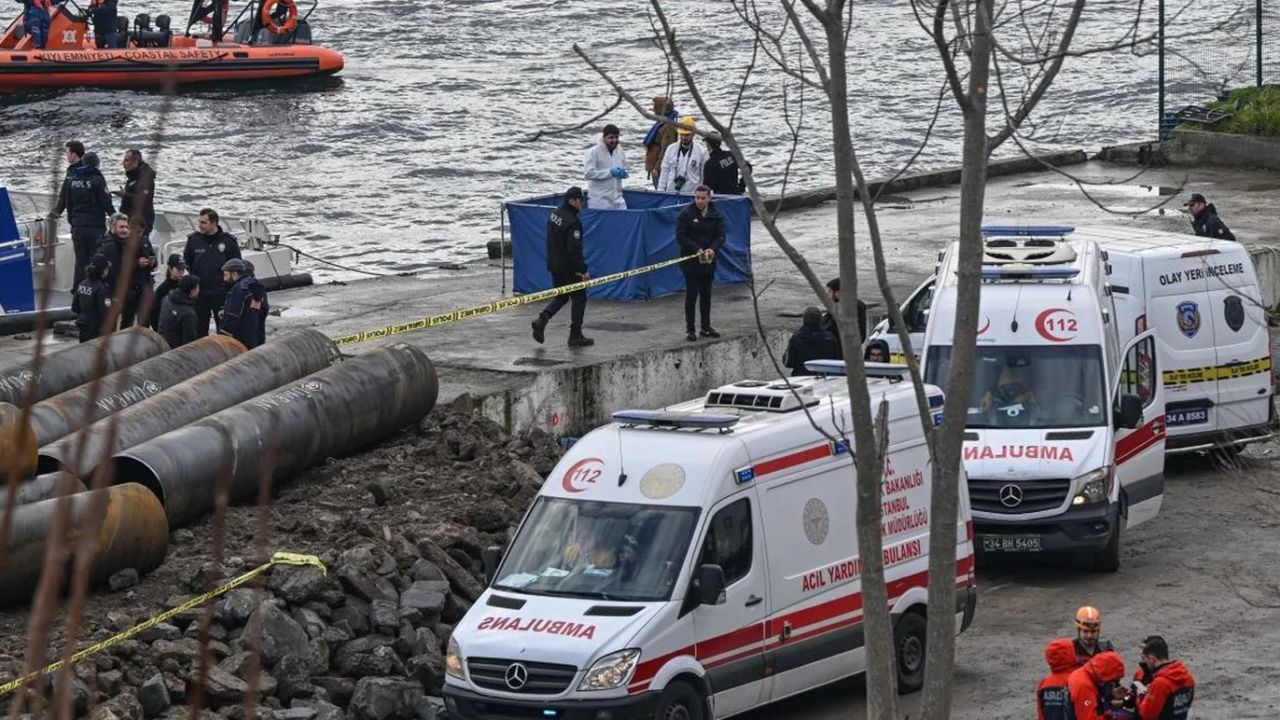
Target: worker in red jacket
1088, 684
1052, 700
1164, 687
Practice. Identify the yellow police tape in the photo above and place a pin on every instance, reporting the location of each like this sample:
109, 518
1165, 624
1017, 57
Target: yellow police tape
500, 305
280, 558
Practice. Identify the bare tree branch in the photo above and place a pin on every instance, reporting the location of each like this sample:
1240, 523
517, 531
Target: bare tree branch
570, 128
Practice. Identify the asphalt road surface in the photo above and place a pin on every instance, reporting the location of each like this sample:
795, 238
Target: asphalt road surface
1205, 574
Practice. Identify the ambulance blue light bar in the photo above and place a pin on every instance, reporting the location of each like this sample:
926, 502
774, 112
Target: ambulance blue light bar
1026, 230
1040, 273
660, 418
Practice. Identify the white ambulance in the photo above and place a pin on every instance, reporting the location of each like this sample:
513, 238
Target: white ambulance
700, 561
1064, 448
1201, 297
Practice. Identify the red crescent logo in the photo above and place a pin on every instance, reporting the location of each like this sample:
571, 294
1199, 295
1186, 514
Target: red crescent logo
1057, 325
583, 474
986, 326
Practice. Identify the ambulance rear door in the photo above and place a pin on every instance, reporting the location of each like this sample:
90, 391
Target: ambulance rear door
1179, 311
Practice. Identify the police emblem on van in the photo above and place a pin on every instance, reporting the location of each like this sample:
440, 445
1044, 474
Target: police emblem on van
1233, 312
1189, 318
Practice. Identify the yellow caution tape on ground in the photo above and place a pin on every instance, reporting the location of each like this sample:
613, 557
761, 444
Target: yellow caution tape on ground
500, 305
280, 558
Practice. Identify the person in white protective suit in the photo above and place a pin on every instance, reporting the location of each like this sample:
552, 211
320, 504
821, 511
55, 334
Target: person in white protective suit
683, 161
605, 168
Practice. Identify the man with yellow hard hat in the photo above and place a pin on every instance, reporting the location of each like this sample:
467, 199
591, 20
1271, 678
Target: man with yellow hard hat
683, 161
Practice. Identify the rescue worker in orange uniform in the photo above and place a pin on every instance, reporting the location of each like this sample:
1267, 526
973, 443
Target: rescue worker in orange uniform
35, 21
1052, 700
1089, 685
1164, 687
1088, 635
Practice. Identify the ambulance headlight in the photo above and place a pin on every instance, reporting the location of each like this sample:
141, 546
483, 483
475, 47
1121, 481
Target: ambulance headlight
453, 660
1095, 487
611, 671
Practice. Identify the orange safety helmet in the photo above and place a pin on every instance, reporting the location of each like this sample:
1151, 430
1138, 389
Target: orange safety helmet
1088, 618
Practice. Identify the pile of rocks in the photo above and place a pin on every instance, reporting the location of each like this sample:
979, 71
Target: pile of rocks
401, 530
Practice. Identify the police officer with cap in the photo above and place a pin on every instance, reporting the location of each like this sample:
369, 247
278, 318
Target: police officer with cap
243, 316
92, 301
206, 252
567, 266
1204, 219
173, 274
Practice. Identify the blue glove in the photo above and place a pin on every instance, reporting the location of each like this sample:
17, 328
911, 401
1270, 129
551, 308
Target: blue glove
618, 172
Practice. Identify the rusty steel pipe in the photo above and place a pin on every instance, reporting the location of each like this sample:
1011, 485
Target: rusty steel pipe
62, 370
132, 534
69, 411
326, 414
17, 445
283, 359
43, 487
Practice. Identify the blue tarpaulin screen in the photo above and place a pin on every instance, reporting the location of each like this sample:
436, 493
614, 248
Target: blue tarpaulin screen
618, 240
16, 292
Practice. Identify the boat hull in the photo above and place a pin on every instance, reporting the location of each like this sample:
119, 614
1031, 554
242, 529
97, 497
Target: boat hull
162, 67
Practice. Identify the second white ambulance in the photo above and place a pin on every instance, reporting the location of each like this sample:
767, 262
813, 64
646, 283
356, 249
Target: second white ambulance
700, 561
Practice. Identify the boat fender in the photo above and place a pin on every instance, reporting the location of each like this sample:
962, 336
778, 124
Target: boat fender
269, 22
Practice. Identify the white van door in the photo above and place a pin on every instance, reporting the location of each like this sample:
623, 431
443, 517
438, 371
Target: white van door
915, 313
730, 636
1139, 451
1242, 343
1176, 310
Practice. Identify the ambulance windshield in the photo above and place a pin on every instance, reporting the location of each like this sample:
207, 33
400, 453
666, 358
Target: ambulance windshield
608, 551
1030, 386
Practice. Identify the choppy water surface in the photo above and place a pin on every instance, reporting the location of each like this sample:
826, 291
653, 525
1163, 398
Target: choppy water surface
403, 163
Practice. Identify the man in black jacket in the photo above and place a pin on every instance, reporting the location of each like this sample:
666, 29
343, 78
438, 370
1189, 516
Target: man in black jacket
700, 230
567, 266
829, 322
137, 197
173, 274
246, 308
84, 196
114, 246
810, 342
206, 252
1205, 221
92, 301
178, 312
720, 173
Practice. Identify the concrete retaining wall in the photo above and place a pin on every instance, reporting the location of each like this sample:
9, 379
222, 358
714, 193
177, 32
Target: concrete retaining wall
1197, 148
575, 400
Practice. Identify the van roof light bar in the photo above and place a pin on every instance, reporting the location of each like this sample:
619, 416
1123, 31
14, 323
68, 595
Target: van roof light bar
892, 372
1026, 230
1036, 273
665, 419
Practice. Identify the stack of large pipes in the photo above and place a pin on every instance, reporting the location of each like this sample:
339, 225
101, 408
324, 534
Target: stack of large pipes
158, 430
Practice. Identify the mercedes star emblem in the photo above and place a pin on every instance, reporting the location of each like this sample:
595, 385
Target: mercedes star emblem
517, 676
1010, 496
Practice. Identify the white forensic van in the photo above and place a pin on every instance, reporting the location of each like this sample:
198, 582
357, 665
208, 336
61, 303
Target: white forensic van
1065, 437
700, 561
1201, 298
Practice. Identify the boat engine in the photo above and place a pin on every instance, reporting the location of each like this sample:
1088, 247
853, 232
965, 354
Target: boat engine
144, 36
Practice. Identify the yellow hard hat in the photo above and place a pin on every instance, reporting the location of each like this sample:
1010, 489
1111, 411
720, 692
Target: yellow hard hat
686, 126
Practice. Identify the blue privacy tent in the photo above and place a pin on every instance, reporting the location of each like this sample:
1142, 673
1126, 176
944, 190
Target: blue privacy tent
618, 240
17, 293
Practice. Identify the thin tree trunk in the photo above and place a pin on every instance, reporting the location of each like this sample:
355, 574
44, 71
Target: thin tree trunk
882, 692
940, 661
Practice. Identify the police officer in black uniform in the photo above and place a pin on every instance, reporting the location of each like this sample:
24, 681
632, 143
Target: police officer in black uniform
567, 266
138, 296
178, 319
1204, 219
206, 252
84, 196
720, 173
246, 305
92, 300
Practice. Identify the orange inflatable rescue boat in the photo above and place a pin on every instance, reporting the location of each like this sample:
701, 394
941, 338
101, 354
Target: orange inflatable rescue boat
268, 40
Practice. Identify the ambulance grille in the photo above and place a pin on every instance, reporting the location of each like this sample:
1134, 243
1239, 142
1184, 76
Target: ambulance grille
543, 678
991, 496
752, 395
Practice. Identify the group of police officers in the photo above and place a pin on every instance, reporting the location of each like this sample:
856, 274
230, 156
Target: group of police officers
1085, 680
208, 281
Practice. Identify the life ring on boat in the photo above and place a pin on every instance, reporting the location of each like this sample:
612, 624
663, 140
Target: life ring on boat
269, 22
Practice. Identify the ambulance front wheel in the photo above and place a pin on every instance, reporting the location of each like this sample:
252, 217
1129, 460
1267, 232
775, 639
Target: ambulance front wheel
909, 651
679, 702
1108, 558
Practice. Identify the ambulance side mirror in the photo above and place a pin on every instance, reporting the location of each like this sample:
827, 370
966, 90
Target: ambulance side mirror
711, 585
492, 556
1129, 414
